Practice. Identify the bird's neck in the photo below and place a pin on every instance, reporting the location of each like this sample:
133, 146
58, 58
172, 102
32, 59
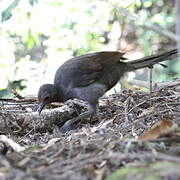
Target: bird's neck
59, 95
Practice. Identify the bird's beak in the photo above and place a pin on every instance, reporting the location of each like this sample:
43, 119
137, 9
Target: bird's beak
40, 107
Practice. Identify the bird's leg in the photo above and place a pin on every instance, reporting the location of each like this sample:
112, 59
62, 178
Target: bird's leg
69, 124
92, 115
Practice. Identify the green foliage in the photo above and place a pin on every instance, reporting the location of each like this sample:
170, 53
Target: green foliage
6, 14
32, 2
40, 38
153, 171
35, 147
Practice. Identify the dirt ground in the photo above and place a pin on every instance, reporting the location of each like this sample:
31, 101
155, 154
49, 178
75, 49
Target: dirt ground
105, 148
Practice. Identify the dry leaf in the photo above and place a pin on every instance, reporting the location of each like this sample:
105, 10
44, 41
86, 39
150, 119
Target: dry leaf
135, 88
160, 128
10, 143
147, 112
100, 173
50, 143
24, 161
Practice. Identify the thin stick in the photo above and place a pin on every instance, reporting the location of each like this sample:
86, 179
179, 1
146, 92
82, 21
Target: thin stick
150, 79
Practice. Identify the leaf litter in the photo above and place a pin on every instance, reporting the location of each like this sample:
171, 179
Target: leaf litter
131, 128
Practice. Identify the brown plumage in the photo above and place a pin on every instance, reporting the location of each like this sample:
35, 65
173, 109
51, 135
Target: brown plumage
89, 76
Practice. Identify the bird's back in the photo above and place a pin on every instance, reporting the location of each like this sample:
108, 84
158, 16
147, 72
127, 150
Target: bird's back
83, 71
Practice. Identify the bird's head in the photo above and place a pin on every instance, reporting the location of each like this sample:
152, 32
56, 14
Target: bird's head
47, 94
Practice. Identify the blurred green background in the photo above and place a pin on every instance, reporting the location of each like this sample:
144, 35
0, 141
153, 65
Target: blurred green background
41, 35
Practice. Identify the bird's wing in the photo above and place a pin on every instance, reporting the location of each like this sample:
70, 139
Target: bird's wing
86, 69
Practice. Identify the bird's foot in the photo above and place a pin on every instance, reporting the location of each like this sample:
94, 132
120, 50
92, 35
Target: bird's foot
66, 127
70, 124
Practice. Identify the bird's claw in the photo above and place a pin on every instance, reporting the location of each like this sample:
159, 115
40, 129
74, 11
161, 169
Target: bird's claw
66, 127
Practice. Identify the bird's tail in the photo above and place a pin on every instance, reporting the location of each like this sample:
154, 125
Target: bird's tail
149, 61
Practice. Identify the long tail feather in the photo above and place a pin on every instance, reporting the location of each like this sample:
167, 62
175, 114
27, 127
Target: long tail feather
149, 61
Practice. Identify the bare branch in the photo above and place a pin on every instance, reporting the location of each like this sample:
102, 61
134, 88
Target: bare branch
149, 25
154, 27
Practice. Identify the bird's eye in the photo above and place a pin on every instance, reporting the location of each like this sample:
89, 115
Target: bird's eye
46, 98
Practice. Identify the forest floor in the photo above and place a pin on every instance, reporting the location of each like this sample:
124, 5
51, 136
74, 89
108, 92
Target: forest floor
135, 135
